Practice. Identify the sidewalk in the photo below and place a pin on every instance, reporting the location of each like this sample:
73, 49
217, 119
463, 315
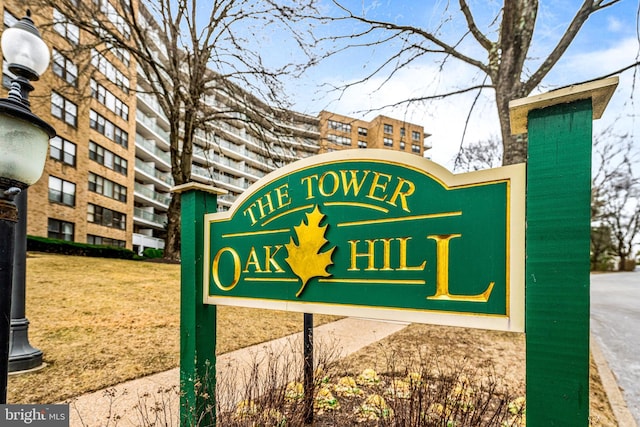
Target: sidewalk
98, 409
611, 388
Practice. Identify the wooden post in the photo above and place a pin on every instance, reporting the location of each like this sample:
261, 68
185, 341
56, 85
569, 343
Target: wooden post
557, 249
197, 320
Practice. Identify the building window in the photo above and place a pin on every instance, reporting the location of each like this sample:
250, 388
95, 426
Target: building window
63, 150
343, 127
415, 135
61, 191
122, 54
9, 20
106, 187
107, 158
7, 76
64, 109
388, 128
402, 145
402, 132
113, 74
109, 100
120, 137
103, 216
388, 142
337, 139
98, 123
362, 144
116, 19
105, 241
415, 148
66, 29
61, 230
362, 131
98, 91
64, 68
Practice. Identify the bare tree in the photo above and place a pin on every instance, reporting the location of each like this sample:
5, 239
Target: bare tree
615, 196
601, 246
622, 215
479, 155
500, 52
190, 52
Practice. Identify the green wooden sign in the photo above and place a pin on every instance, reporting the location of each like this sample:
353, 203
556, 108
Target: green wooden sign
378, 234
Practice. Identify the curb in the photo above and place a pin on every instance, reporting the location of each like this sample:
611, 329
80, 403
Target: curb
611, 388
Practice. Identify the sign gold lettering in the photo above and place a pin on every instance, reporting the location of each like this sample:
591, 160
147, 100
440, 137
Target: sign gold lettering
265, 205
377, 186
216, 269
352, 181
370, 255
442, 276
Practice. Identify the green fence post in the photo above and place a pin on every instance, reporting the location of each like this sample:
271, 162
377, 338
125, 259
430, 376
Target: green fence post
557, 249
197, 320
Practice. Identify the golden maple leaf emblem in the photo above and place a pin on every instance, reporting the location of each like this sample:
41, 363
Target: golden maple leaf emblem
305, 258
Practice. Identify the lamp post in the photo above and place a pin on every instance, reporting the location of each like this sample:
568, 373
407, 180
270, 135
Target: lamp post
24, 140
22, 355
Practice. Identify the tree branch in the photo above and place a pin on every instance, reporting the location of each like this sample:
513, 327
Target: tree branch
409, 30
477, 34
588, 8
428, 98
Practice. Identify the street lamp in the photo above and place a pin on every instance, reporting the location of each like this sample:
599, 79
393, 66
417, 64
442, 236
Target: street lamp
24, 140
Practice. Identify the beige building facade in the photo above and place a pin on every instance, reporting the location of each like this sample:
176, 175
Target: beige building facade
107, 178
84, 193
340, 132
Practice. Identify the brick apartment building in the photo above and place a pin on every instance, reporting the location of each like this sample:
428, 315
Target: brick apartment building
339, 132
107, 179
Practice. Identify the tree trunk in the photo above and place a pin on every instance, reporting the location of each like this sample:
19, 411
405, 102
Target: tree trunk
514, 147
622, 263
172, 242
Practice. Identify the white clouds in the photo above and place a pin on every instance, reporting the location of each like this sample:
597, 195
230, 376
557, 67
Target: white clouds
601, 59
614, 25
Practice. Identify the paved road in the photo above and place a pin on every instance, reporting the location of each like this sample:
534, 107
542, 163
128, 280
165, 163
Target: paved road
615, 323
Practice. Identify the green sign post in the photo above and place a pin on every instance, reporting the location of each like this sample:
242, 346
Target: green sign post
388, 235
558, 230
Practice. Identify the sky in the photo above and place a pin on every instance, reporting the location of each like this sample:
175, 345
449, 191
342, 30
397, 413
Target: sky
607, 42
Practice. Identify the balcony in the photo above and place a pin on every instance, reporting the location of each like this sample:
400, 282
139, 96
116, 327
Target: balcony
205, 156
149, 218
161, 199
152, 103
153, 175
204, 174
151, 148
143, 242
234, 148
152, 126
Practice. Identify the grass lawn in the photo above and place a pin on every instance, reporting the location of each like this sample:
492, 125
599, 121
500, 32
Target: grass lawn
100, 322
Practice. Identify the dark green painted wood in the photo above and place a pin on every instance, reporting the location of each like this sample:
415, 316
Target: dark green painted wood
557, 266
482, 226
197, 321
